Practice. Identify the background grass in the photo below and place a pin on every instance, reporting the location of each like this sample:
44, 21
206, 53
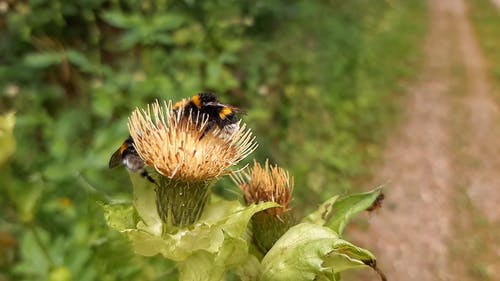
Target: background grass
485, 18
319, 81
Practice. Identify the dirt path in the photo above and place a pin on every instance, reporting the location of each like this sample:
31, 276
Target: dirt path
443, 163
496, 2
483, 144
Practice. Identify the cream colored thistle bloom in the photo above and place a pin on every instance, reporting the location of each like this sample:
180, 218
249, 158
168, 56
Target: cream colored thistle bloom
187, 156
173, 144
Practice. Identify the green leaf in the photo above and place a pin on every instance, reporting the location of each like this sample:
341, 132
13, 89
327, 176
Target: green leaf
208, 234
213, 266
130, 39
250, 270
198, 267
323, 212
121, 20
119, 217
348, 256
216, 240
27, 201
345, 208
168, 21
78, 59
60, 273
7, 141
145, 204
43, 59
163, 39
298, 254
34, 262
309, 251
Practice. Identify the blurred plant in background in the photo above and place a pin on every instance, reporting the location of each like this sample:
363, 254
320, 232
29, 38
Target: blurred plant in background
73, 70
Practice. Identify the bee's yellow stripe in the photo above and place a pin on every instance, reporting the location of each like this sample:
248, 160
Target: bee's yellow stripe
123, 147
179, 104
225, 112
196, 101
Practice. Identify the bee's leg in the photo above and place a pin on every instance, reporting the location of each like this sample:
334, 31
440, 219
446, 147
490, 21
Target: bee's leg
147, 176
210, 126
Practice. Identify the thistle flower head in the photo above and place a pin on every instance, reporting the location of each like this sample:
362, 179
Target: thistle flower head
266, 184
178, 145
189, 153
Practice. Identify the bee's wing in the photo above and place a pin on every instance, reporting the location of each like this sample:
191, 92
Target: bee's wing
221, 106
240, 111
116, 159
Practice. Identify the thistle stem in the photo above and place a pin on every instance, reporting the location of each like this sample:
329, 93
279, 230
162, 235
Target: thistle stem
181, 203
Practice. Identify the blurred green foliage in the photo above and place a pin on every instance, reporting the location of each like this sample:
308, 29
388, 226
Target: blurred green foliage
316, 78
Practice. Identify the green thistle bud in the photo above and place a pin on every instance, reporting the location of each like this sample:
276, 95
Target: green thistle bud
187, 158
267, 184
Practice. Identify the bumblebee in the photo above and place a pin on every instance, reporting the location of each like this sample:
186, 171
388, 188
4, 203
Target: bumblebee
128, 156
221, 115
196, 103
